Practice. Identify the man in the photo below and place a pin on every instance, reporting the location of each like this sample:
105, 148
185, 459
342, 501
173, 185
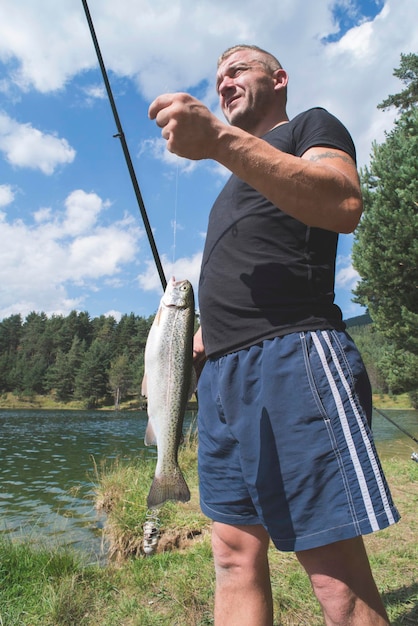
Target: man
285, 450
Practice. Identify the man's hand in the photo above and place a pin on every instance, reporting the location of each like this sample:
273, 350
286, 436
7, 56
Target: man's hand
199, 356
189, 128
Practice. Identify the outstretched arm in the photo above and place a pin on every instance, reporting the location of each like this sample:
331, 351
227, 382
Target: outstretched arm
320, 189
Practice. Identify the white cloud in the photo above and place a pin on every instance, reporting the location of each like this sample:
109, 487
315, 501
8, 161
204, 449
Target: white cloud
6, 195
95, 92
184, 268
167, 46
158, 150
25, 146
40, 263
117, 315
100, 253
45, 43
82, 211
346, 277
353, 75
42, 215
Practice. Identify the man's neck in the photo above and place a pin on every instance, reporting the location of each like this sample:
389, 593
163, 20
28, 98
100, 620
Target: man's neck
268, 125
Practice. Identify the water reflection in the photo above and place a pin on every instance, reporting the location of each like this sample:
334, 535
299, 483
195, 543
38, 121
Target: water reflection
47, 460
46, 463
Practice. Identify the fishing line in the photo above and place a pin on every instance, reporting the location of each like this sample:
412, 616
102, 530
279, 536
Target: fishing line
121, 135
175, 213
414, 455
397, 425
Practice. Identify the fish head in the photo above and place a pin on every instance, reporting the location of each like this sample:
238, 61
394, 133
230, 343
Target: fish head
179, 294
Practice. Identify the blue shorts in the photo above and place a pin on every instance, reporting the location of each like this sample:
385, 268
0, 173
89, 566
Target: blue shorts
284, 441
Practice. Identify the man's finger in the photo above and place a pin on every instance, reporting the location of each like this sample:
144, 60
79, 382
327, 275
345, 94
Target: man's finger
161, 102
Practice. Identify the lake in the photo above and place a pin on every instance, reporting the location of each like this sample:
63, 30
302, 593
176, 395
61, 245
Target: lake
47, 463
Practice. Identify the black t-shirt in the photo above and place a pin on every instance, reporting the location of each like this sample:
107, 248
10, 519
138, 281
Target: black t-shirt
264, 273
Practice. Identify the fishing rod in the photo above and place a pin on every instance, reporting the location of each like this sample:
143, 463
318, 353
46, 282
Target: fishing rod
121, 135
397, 425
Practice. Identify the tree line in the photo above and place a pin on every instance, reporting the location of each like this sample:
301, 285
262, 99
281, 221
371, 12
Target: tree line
73, 357
99, 361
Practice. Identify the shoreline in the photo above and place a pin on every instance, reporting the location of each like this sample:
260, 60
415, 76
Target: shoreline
9, 401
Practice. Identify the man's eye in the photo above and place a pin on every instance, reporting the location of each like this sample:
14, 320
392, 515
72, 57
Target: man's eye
232, 72
238, 70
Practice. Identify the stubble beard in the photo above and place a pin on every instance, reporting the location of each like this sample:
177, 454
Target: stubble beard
244, 118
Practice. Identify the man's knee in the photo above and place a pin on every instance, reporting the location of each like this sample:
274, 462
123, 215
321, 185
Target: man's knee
342, 581
238, 546
225, 553
335, 597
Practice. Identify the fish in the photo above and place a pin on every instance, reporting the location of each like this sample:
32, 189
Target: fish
168, 384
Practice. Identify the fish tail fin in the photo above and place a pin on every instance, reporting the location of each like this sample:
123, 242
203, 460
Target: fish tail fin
168, 487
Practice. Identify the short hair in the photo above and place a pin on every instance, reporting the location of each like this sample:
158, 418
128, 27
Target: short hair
270, 61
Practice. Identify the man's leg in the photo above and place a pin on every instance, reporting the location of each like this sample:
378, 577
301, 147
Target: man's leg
243, 591
342, 581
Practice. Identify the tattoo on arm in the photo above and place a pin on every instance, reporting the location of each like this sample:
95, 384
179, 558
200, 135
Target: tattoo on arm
330, 155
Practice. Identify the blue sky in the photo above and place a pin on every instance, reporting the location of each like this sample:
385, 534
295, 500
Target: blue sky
71, 235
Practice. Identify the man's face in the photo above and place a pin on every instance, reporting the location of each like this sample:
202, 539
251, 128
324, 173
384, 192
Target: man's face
246, 89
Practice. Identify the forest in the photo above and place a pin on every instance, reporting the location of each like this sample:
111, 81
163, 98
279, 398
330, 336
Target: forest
76, 357
385, 250
73, 357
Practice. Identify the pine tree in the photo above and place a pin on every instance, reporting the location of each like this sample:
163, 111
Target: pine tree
385, 250
91, 382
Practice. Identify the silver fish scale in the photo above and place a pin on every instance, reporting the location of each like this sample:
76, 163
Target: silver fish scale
168, 365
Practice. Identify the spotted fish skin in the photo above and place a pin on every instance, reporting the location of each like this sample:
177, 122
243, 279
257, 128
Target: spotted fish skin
168, 383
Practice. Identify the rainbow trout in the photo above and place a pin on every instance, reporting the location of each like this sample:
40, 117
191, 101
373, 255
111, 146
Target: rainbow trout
168, 385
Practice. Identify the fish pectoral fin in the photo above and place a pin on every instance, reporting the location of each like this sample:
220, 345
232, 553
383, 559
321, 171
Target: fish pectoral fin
144, 390
150, 438
157, 317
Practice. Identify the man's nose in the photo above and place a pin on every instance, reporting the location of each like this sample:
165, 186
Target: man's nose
225, 85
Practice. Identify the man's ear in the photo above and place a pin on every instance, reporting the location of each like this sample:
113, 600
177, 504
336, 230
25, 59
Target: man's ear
281, 78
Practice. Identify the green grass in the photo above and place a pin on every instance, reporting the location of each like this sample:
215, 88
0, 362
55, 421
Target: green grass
40, 586
121, 490
386, 401
175, 586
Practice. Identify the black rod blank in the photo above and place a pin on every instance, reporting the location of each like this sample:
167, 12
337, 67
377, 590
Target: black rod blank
395, 424
125, 149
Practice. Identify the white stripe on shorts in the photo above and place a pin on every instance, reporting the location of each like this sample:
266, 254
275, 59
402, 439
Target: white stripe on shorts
347, 433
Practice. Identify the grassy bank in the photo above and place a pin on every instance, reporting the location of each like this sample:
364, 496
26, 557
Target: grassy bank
174, 587
46, 403
12, 401
386, 401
